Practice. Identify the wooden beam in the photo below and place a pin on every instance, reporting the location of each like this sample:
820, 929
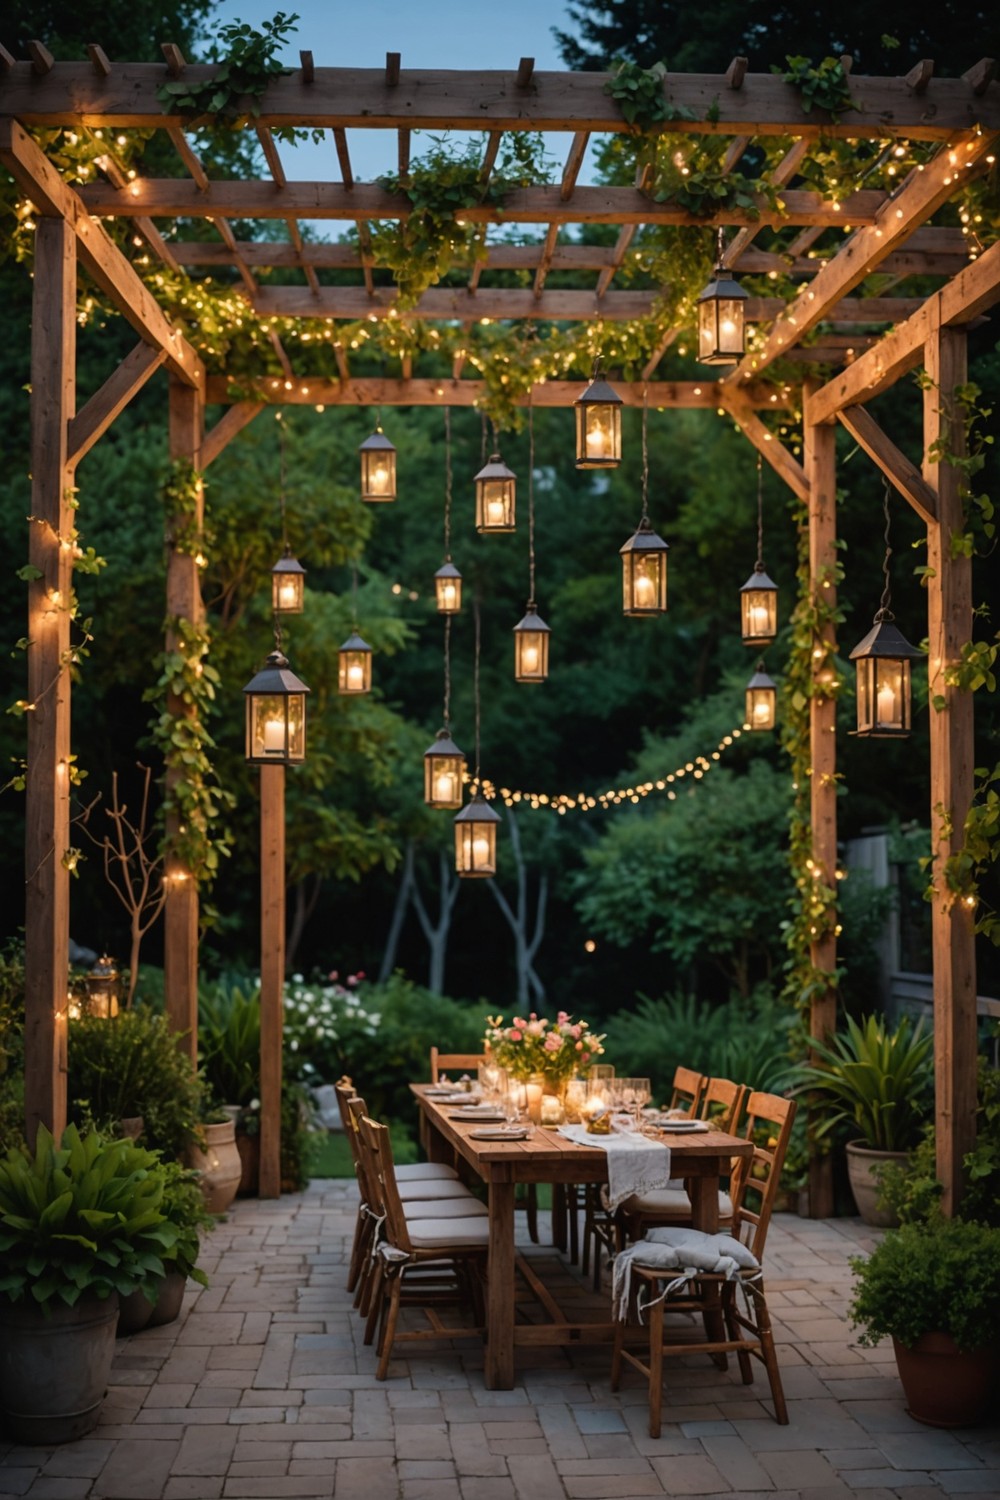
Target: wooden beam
97, 251
525, 69
344, 158
190, 158
978, 77
894, 465
169, 197
308, 67
47, 839
42, 61
782, 174
345, 257
574, 161
663, 344
949, 627
174, 58
180, 911
545, 261
114, 395
775, 453
490, 154
736, 72
919, 197
445, 100
304, 391
232, 421
98, 59
972, 292
819, 445
920, 76
272, 973
392, 61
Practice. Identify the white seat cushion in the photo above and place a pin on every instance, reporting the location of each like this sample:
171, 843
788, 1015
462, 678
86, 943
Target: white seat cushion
671, 1201
429, 1234
431, 1187
417, 1171
446, 1208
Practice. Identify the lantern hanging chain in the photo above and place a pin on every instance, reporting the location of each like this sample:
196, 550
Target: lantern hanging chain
720, 248
482, 443
760, 514
884, 611
644, 520
531, 505
447, 675
281, 479
447, 484
354, 594
475, 689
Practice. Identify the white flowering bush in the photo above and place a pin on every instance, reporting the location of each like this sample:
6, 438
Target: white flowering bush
329, 1026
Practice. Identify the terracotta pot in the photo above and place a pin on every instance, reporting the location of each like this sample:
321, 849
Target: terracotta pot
249, 1148
219, 1165
943, 1386
168, 1303
861, 1162
54, 1370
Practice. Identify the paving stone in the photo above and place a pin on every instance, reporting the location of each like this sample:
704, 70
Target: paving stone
477, 1487
193, 1489
535, 1479
83, 1458
205, 1450
683, 1475
968, 1481
138, 1469
797, 1470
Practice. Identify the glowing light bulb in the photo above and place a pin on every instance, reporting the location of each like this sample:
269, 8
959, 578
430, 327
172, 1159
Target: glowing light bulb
761, 712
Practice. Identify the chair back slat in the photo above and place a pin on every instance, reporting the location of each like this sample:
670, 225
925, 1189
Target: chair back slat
757, 1178
722, 1103
364, 1166
687, 1090
345, 1091
375, 1138
444, 1062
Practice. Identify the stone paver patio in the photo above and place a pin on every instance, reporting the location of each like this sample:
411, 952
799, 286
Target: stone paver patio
264, 1388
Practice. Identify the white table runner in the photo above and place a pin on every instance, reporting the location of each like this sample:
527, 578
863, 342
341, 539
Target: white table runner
635, 1163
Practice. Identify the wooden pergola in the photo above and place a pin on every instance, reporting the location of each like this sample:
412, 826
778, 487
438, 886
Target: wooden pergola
892, 231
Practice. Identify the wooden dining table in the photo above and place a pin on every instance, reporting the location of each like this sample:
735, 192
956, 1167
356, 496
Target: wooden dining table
546, 1156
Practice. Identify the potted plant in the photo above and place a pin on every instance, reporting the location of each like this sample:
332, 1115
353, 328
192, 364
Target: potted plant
878, 1083
80, 1224
183, 1207
229, 1054
934, 1289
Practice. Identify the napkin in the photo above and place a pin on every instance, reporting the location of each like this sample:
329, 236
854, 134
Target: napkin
635, 1164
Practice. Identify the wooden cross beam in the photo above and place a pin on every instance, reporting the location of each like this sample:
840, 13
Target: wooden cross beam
305, 391
894, 464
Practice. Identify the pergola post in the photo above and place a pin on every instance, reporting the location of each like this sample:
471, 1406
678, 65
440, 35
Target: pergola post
47, 790
180, 912
272, 973
949, 627
819, 451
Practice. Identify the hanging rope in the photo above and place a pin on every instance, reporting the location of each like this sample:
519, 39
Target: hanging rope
475, 688
531, 505
884, 611
354, 594
447, 484
447, 674
644, 520
482, 446
279, 418
760, 514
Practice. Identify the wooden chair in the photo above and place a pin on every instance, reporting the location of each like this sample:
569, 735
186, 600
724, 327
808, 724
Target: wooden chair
447, 1062
687, 1091
728, 1328
454, 1251
721, 1103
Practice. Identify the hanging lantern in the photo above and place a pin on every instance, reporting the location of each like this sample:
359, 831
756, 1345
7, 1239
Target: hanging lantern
644, 572
761, 700
276, 715
883, 680
598, 425
288, 585
495, 496
378, 467
448, 589
102, 988
444, 768
758, 610
354, 662
531, 647
721, 317
476, 838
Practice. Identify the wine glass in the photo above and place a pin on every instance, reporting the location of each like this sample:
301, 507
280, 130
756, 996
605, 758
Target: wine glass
511, 1102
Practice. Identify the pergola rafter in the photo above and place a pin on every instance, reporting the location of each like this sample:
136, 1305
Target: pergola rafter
888, 231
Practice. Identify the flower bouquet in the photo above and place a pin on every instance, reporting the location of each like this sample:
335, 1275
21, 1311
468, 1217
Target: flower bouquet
555, 1049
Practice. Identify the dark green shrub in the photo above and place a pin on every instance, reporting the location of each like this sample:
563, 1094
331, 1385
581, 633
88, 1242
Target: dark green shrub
129, 1066
926, 1278
229, 1040
11, 1046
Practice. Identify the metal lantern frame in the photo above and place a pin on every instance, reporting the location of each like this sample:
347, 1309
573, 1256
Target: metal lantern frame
531, 647
758, 610
496, 497
761, 706
721, 316
476, 839
378, 457
354, 667
448, 589
644, 572
275, 715
288, 578
103, 987
444, 772
882, 667
598, 425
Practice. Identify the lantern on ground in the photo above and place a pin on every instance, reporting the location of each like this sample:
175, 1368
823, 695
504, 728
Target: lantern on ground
448, 589
476, 839
275, 715
644, 572
354, 666
495, 496
444, 768
531, 647
378, 467
288, 585
721, 317
761, 701
103, 988
598, 425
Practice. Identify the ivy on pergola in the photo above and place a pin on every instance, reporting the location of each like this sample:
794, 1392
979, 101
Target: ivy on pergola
912, 158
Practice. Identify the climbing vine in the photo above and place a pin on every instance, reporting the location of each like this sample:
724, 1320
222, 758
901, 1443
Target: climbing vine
823, 85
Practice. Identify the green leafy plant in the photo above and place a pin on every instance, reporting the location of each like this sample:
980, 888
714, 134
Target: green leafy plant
640, 96
229, 1041
875, 1081
11, 1045
941, 1277
234, 92
82, 1217
823, 86
183, 1207
131, 1065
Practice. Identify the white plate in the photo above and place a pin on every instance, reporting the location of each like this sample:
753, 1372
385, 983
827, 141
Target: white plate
494, 1134
476, 1116
683, 1127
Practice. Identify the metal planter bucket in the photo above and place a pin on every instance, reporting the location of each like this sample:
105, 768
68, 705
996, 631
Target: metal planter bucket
54, 1370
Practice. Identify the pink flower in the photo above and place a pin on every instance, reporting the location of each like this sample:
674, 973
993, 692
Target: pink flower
352, 979
515, 1036
553, 1042
535, 1028
333, 974
562, 1017
519, 1021
584, 1056
361, 974
576, 1030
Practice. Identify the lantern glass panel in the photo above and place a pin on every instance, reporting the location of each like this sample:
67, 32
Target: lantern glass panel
644, 582
475, 848
759, 608
598, 434
448, 591
378, 473
355, 671
495, 505
883, 690
276, 727
531, 655
761, 705
443, 780
720, 330
287, 591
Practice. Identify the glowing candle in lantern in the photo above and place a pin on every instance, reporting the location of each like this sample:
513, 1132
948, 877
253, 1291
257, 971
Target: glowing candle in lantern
274, 735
